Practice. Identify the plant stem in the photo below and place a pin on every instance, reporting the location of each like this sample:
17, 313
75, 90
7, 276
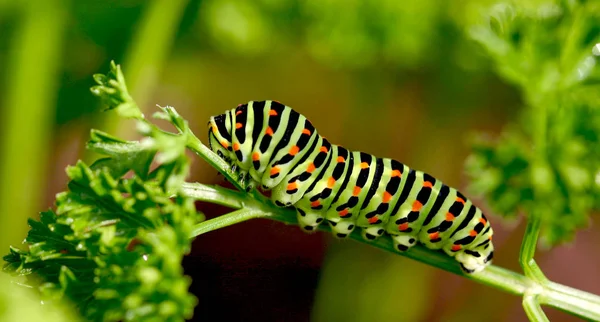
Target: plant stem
213, 194
562, 289
528, 246
229, 219
570, 300
533, 309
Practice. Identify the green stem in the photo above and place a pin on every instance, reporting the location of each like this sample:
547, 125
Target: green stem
229, 219
570, 300
528, 246
28, 116
214, 194
533, 309
562, 289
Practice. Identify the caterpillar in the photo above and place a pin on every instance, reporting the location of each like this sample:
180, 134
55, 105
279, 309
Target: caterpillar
274, 147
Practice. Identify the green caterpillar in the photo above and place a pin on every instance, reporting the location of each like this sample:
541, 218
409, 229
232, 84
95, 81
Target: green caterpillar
275, 147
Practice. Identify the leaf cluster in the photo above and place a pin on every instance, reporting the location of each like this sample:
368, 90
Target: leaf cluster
546, 164
114, 244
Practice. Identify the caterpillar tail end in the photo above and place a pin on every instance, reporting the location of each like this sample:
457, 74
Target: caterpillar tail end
471, 264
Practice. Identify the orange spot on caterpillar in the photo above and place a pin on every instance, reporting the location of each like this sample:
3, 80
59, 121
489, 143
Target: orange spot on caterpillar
364, 165
306, 131
224, 144
238, 112
473, 233
238, 125
311, 168
434, 236
292, 186
427, 184
396, 173
343, 212
456, 248
490, 238
403, 226
214, 129
274, 171
323, 149
269, 131
236, 147
330, 182
387, 197
294, 150
483, 221
373, 219
461, 200
340, 159
417, 205
255, 156
315, 203
449, 216
356, 191
273, 113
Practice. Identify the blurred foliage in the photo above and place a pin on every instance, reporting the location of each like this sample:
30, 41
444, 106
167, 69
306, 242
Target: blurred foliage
32, 68
356, 34
361, 33
18, 303
548, 163
349, 35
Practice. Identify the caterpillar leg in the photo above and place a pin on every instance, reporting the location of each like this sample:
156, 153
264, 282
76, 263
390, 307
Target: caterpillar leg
341, 228
308, 221
372, 232
245, 180
403, 242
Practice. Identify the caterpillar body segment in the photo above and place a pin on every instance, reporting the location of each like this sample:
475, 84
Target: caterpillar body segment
276, 148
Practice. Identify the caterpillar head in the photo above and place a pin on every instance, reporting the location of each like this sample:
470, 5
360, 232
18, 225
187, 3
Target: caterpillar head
219, 137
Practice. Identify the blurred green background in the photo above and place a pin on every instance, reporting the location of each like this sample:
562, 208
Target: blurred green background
398, 79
